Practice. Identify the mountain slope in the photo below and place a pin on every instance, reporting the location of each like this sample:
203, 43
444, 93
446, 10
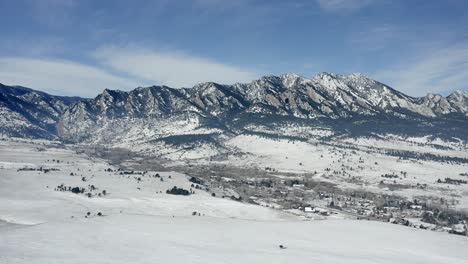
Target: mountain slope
343, 102
349, 103
29, 113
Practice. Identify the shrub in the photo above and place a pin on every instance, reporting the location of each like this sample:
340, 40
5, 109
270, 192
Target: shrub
178, 191
195, 180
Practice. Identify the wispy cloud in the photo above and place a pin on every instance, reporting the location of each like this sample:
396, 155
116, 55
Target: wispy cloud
60, 76
376, 37
343, 5
436, 71
172, 68
117, 68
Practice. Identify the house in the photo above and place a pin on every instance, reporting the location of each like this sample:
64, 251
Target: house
321, 211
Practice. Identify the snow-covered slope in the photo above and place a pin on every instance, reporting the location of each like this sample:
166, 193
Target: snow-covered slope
140, 223
152, 239
347, 102
327, 98
115, 114
29, 113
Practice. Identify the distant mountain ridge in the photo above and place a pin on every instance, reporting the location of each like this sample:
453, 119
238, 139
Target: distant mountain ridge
334, 100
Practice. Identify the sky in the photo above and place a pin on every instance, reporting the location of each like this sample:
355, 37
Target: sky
80, 47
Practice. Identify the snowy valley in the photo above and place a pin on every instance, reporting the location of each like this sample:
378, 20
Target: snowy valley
42, 221
332, 169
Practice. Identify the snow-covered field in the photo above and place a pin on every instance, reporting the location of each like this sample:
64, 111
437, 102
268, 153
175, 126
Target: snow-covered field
29, 196
365, 166
161, 239
143, 224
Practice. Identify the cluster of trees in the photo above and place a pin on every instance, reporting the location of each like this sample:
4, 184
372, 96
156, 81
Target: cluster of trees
195, 180
196, 186
291, 182
132, 172
78, 190
103, 193
38, 169
88, 214
405, 155
178, 191
443, 217
389, 176
452, 181
63, 188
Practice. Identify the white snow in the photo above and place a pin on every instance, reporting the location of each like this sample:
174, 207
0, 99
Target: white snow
143, 225
147, 239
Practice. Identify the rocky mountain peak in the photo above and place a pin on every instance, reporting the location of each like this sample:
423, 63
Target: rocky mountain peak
326, 96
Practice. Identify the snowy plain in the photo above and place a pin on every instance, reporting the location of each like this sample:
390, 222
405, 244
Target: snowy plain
143, 224
364, 166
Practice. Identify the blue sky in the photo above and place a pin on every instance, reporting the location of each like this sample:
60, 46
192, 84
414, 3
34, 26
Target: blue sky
80, 47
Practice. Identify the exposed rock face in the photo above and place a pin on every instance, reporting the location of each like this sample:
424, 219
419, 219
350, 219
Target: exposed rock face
28, 113
152, 112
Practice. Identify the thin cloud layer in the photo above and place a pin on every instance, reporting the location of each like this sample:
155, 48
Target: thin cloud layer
385, 39
117, 68
175, 69
436, 71
343, 5
60, 76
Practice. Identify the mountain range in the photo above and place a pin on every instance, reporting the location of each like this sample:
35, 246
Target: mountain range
347, 104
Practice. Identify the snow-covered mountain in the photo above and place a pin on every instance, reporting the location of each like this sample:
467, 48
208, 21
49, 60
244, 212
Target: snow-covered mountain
207, 108
337, 101
28, 113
